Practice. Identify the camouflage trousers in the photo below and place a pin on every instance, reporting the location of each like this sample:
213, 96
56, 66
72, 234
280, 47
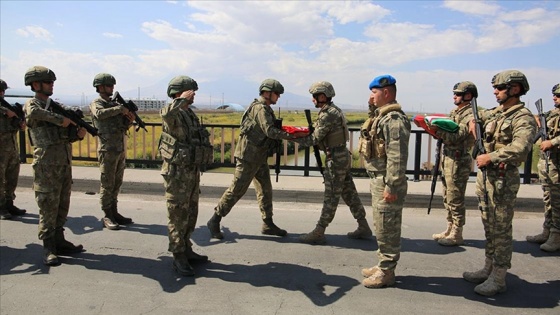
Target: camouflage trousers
339, 183
9, 173
182, 192
111, 165
551, 193
455, 174
387, 220
245, 173
52, 185
497, 216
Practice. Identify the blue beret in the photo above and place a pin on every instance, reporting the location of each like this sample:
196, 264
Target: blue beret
382, 81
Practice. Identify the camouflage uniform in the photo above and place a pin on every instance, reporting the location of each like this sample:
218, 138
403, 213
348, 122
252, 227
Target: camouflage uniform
185, 148
258, 136
9, 160
384, 146
112, 125
52, 165
331, 134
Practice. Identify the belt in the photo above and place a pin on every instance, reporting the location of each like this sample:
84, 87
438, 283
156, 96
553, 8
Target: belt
454, 153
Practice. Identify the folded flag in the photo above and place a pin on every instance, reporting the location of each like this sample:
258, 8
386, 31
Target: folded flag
294, 129
421, 122
443, 123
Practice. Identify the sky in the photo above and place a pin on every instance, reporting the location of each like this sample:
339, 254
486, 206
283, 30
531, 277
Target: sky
229, 47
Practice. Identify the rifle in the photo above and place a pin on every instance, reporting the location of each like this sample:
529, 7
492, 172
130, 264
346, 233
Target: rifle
75, 116
479, 145
278, 124
435, 172
17, 108
542, 133
132, 108
316, 151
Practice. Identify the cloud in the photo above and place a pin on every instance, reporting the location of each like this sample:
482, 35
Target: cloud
472, 7
112, 35
352, 11
35, 32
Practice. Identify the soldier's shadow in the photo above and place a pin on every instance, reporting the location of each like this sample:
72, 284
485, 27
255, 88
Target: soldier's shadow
21, 260
520, 293
28, 218
320, 288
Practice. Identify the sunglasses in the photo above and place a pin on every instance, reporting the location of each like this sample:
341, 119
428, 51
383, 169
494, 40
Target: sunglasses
48, 82
500, 87
557, 95
458, 94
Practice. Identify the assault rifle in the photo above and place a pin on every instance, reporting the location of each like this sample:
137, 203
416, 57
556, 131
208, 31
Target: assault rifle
75, 116
131, 108
278, 124
542, 133
17, 108
435, 172
479, 145
316, 151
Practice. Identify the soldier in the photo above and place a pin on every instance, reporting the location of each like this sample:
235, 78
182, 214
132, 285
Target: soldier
509, 130
112, 120
331, 134
51, 134
384, 146
258, 136
9, 158
185, 149
550, 236
456, 164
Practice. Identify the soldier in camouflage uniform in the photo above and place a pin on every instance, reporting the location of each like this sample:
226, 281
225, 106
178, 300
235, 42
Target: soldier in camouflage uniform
550, 236
51, 134
112, 120
9, 158
258, 136
185, 149
384, 146
509, 130
331, 134
456, 164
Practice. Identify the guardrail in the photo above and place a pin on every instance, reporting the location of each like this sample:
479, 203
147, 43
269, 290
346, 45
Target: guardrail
142, 151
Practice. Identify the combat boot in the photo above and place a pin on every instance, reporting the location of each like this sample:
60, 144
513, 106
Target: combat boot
496, 283
4, 214
379, 279
363, 230
13, 210
110, 223
316, 237
122, 220
269, 228
481, 275
214, 226
539, 238
194, 257
553, 242
443, 234
454, 238
64, 247
181, 265
49, 252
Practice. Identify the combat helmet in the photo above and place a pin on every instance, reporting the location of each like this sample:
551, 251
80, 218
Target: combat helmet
180, 84
3, 85
272, 86
511, 76
104, 79
556, 89
38, 73
465, 87
323, 87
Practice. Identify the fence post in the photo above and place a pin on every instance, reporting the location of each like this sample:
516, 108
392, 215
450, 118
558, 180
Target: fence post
22, 147
417, 156
527, 168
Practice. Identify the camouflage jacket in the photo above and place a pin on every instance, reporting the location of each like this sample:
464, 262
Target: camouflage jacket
509, 133
258, 134
461, 140
108, 118
37, 118
330, 129
553, 127
394, 129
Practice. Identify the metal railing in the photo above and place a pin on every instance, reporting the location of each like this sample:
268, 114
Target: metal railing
142, 151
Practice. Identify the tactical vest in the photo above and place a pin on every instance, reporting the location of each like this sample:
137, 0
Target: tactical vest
7, 124
251, 129
113, 125
496, 131
194, 149
47, 134
337, 137
370, 145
